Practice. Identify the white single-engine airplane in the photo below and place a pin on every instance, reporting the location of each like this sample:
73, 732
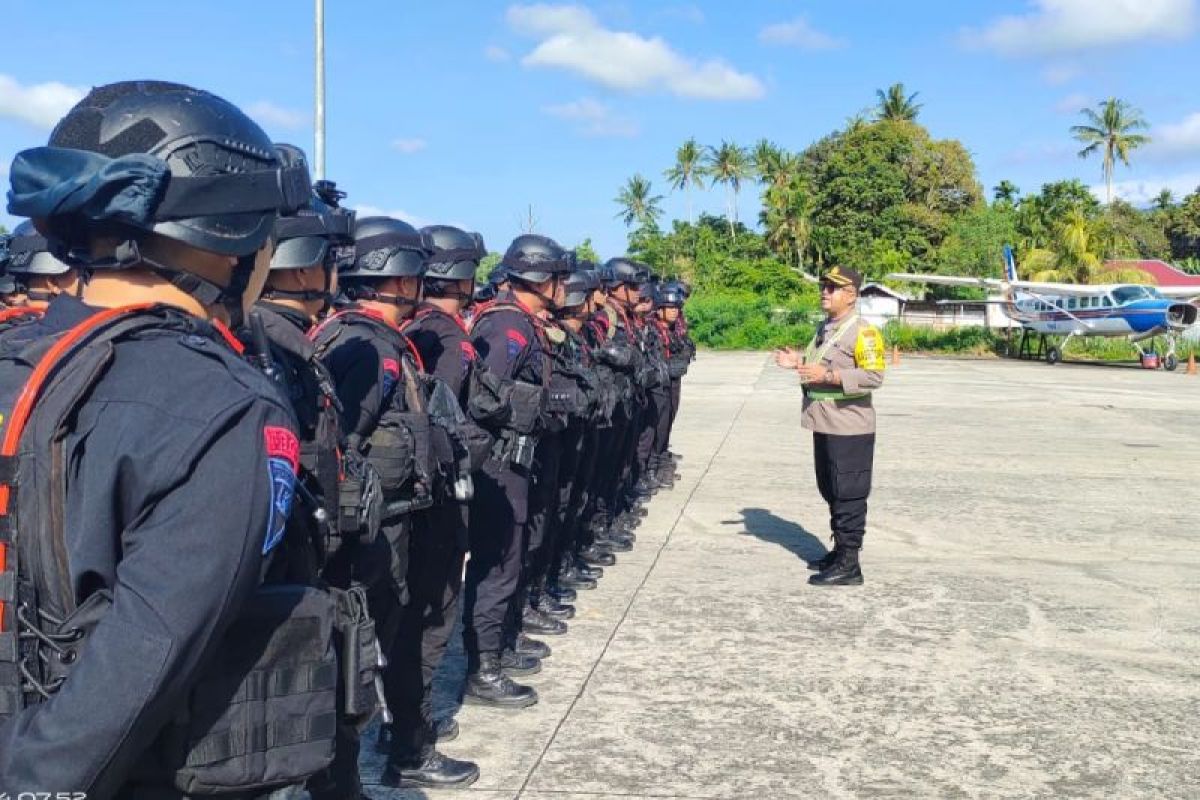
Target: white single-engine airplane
1068, 310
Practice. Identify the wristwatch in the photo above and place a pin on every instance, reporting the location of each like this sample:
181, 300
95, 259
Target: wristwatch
828, 378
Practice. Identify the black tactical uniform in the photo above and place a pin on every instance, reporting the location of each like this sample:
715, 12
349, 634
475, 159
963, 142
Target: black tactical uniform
509, 340
174, 467
378, 379
439, 541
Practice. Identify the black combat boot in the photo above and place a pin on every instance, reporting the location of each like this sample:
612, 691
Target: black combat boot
613, 542
519, 664
587, 571
433, 771
593, 556
445, 729
554, 609
532, 647
537, 623
562, 594
575, 580
824, 562
843, 572
489, 686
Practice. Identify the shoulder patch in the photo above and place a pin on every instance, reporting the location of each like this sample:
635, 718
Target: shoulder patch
516, 343
868, 349
283, 458
391, 375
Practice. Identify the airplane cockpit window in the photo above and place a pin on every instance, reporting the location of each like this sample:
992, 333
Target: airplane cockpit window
1128, 294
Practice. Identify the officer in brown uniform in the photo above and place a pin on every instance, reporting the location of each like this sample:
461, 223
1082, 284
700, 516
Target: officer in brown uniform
839, 370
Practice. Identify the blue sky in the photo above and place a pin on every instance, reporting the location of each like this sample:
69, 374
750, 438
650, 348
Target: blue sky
469, 112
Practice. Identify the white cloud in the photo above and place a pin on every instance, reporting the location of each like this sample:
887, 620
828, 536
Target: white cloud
496, 53
1143, 191
366, 210
1072, 103
409, 146
276, 116
1176, 138
1059, 74
799, 33
593, 118
1062, 26
41, 104
571, 38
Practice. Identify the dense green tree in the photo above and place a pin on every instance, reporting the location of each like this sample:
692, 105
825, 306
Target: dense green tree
585, 251
884, 195
895, 105
1038, 214
1005, 192
1164, 200
638, 203
1109, 130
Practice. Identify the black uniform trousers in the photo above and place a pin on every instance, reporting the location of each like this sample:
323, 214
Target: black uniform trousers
437, 549
662, 424
539, 527
562, 521
497, 524
843, 465
579, 507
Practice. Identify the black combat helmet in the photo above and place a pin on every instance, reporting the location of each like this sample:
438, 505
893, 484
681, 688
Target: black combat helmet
536, 259
625, 272
152, 157
669, 295
29, 253
456, 253
7, 285
320, 233
579, 286
387, 248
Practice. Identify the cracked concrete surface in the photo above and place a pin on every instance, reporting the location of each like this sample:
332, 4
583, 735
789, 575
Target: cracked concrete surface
1029, 625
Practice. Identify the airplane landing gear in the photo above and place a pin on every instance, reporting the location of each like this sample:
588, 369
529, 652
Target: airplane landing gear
1171, 359
1053, 355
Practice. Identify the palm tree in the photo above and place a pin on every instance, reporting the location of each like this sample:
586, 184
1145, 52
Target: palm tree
768, 161
687, 172
729, 164
895, 106
1005, 192
1164, 200
1073, 257
787, 218
1109, 131
638, 204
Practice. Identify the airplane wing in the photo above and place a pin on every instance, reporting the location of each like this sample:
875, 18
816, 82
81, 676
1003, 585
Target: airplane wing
1063, 289
1181, 292
948, 280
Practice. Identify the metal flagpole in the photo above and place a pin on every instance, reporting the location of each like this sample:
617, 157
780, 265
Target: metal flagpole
319, 132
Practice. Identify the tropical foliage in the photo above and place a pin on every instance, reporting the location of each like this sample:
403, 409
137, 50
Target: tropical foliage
882, 194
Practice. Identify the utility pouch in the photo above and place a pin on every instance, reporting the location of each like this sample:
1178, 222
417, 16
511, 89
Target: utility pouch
489, 397
360, 500
528, 405
265, 712
360, 660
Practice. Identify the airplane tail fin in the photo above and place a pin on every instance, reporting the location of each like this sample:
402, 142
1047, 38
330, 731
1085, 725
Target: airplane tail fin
1010, 264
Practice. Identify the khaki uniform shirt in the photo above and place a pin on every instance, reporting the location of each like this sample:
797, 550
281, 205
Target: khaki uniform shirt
856, 353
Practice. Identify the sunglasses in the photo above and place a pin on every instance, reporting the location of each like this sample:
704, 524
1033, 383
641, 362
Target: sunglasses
830, 287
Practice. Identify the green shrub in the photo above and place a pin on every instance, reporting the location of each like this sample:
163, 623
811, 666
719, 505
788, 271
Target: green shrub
745, 321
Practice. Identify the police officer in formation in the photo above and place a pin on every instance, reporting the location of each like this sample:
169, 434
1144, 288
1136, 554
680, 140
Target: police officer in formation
248, 442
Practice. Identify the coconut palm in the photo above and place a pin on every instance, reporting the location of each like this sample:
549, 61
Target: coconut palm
687, 172
1109, 131
1073, 257
729, 165
1164, 200
1005, 192
787, 219
896, 106
768, 160
638, 204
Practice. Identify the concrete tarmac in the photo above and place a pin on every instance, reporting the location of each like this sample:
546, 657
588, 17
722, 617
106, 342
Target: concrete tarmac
1029, 625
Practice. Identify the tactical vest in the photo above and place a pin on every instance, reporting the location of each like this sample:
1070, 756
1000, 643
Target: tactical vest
528, 401
263, 713
401, 446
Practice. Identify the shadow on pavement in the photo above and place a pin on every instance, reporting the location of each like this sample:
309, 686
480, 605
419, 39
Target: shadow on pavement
793, 537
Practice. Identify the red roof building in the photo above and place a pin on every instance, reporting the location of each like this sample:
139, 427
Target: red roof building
1162, 272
